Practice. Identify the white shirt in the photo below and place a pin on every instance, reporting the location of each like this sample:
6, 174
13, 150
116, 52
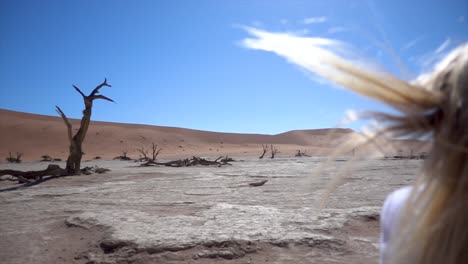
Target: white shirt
390, 212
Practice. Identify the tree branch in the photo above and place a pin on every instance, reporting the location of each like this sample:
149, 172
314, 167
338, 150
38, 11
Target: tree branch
155, 151
100, 96
144, 153
67, 123
78, 90
96, 90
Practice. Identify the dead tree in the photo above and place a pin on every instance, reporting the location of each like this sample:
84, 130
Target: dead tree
145, 153
273, 150
265, 149
75, 150
16, 159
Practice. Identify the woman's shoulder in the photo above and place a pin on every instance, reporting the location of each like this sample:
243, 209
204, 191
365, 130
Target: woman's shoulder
399, 196
389, 215
393, 203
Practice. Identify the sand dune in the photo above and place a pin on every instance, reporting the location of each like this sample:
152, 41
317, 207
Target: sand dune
36, 135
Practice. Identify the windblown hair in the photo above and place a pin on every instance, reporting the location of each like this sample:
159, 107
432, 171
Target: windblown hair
433, 225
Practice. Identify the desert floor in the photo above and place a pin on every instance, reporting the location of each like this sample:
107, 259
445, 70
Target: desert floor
201, 214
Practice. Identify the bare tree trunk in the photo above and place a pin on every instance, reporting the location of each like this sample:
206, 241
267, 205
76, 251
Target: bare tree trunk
273, 151
265, 149
74, 158
76, 152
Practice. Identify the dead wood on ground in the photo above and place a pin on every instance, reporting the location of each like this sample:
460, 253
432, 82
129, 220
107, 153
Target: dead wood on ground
28, 176
95, 169
52, 170
300, 153
47, 158
123, 156
194, 161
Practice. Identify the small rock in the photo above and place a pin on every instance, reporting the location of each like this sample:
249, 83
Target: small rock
205, 254
283, 244
226, 254
257, 184
173, 256
110, 245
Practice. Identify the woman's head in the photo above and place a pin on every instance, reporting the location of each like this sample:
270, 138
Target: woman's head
450, 79
449, 75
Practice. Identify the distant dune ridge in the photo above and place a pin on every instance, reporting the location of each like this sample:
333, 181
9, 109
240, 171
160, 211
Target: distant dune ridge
37, 135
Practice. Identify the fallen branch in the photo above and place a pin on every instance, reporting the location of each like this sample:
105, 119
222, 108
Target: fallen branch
194, 161
47, 158
52, 170
28, 176
95, 169
299, 153
123, 156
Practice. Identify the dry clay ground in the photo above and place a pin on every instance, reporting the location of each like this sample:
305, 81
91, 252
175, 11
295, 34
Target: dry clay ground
201, 214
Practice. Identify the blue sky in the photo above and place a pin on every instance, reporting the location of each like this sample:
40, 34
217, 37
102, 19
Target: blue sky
181, 63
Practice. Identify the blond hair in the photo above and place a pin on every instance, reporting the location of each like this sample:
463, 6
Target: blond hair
433, 225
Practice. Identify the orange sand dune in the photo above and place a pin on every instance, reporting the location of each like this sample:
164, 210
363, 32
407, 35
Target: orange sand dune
37, 135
